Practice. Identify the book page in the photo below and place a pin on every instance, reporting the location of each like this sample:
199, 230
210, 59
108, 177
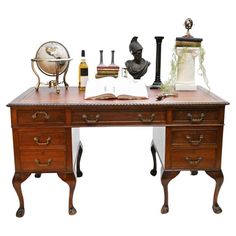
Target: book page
121, 88
127, 88
100, 88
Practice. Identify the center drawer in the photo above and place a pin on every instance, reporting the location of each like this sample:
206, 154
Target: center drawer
94, 118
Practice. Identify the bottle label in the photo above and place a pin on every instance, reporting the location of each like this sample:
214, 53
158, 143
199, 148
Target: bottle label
84, 72
83, 81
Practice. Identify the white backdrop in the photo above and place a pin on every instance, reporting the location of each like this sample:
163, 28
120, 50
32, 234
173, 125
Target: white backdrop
116, 195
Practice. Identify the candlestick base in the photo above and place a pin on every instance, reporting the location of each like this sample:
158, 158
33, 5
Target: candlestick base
156, 85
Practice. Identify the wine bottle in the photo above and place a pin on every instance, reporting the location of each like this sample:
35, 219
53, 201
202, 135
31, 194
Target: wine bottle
83, 72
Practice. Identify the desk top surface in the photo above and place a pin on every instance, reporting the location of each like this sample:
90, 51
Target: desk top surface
73, 97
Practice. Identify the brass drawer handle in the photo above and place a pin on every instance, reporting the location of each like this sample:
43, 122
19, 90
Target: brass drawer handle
43, 113
193, 161
192, 119
146, 120
37, 141
194, 142
91, 121
37, 162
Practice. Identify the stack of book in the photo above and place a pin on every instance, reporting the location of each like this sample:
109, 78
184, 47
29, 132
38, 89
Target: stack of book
104, 71
188, 42
107, 71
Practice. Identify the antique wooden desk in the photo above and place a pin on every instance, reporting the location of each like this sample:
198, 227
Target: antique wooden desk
188, 132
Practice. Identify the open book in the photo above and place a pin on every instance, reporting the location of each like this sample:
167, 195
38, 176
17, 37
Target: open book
120, 88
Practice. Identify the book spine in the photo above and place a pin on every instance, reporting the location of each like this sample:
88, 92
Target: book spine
98, 76
187, 44
108, 67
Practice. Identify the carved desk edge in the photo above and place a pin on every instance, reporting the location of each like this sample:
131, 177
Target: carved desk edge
78, 99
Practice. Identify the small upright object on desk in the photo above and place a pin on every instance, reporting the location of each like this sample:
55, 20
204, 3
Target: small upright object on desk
83, 72
157, 83
52, 59
112, 58
138, 66
187, 48
101, 58
107, 71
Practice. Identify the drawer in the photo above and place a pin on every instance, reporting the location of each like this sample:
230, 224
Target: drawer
118, 118
42, 138
193, 158
191, 137
30, 117
195, 116
43, 160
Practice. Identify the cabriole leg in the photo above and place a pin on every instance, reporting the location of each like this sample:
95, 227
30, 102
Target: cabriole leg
18, 179
153, 172
219, 178
70, 179
79, 173
166, 177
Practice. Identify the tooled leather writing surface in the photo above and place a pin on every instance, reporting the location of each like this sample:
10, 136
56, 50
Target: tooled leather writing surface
72, 96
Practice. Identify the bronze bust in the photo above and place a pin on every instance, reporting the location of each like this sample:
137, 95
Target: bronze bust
138, 66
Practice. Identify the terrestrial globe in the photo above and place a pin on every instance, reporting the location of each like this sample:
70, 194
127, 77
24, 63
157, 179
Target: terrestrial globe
52, 58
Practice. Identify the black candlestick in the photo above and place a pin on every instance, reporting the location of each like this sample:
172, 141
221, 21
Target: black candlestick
157, 83
101, 58
112, 57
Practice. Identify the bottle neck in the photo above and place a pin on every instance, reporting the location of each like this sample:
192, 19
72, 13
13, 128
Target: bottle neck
83, 56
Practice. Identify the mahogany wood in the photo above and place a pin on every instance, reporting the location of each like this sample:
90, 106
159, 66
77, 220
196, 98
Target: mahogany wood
42, 121
166, 177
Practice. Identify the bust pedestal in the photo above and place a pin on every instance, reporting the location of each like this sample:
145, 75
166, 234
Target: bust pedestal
186, 68
187, 49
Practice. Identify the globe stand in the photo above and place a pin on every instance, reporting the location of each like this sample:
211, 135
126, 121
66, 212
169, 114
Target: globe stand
52, 83
52, 59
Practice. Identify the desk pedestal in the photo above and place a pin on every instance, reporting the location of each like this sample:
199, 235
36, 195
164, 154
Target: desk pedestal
188, 148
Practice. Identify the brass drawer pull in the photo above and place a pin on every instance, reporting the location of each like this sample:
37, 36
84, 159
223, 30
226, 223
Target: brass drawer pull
43, 113
194, 142
146, 120
37, 141
37, 162
91, 121
193, 161
192, 119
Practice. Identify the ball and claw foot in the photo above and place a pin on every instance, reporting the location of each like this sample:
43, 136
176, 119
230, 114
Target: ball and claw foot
164, 209
194, 172
217, 209
20, 212
153, 172
79, 174
37, 175
72, 211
